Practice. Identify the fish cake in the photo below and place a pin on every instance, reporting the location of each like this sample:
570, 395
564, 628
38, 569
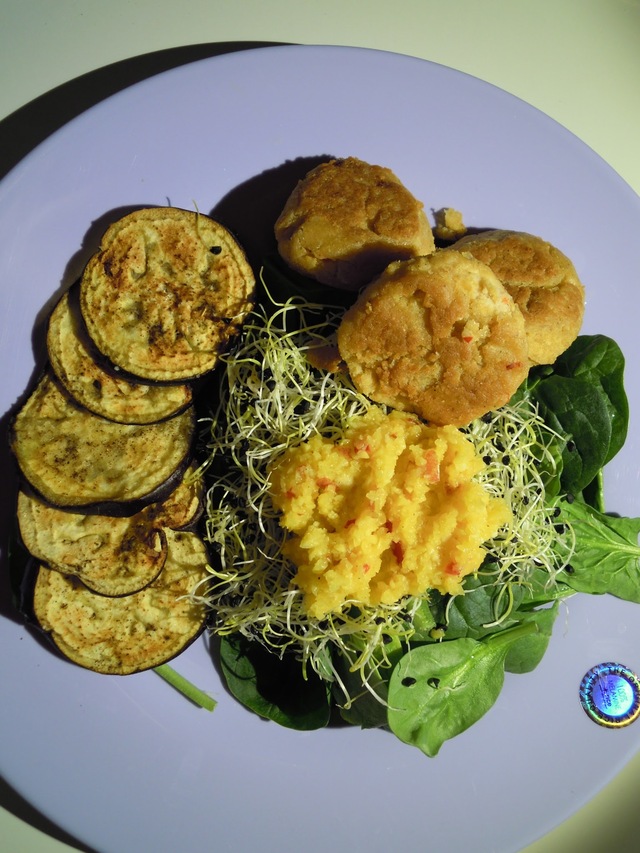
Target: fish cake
346, 220
543, 283
438, 336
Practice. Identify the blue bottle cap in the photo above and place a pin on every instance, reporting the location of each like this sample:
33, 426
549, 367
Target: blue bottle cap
610, 695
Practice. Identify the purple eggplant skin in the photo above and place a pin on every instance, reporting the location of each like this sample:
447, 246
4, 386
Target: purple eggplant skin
121, 508
96, 385
122, 635
117, 507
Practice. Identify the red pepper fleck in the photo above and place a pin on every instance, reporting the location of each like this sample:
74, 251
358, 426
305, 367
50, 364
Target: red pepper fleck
350, 522
366, 568
467, 338
452, 568
362, 447
389, 525
432, 466
397, 550
323, 482
513, 364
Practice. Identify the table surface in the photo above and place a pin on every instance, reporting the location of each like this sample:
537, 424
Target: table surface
576, 60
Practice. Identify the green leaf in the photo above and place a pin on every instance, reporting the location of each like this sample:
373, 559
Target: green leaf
525, 654
485, 607
599, 360
541, 589
579, 410
439, 690
364, 709
607, 554
273, 687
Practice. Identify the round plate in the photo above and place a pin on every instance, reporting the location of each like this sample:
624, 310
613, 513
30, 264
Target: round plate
127, 763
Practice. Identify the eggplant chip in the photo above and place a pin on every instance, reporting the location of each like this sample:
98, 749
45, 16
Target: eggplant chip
183, 507
165, 293
73, 458
120, 636
105, 394
111, 556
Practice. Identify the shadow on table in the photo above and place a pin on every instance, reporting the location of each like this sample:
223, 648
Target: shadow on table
20, 133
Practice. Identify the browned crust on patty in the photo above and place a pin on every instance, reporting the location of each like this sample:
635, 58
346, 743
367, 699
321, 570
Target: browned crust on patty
543, 283
347, 219
438, 336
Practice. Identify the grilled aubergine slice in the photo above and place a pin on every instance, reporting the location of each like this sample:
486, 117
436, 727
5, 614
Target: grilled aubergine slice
165, 293
111, 556
75, 459
120, 636
183, 508
104, 393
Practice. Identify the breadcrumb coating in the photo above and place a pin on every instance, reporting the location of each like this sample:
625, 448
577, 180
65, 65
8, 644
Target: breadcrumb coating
438, 336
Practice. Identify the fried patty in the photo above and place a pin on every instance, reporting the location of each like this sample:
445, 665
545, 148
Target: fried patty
543, 283
347, 219
438, 336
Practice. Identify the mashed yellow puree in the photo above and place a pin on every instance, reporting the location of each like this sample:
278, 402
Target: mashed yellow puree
389, 510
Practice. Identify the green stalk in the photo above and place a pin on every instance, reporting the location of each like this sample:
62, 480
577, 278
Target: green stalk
193, 693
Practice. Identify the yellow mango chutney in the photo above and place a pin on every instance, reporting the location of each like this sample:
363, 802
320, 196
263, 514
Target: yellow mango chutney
393, 508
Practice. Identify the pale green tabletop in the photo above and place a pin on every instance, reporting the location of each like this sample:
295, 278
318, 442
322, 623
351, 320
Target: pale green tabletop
577, 60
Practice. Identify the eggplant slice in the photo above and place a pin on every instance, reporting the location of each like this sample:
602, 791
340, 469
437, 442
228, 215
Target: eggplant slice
166, 292
111, 556
184, 506
74, 459
103, 393
120, 636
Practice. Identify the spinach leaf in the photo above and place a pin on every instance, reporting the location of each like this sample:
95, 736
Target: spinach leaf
273, 687
437, 691
579, 410
541, 589
607, 553
582, 397
479, 611
525, 654
599, 360
368, 705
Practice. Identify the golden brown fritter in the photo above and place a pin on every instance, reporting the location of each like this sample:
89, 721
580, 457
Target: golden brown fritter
346, 220
543, 283
438, 336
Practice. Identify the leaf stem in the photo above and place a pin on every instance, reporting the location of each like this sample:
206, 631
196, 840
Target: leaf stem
511, 634
182, 685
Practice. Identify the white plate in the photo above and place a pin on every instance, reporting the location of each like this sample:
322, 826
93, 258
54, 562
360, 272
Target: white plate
126, 763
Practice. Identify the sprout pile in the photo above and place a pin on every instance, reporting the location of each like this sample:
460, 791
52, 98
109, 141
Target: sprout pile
271, 398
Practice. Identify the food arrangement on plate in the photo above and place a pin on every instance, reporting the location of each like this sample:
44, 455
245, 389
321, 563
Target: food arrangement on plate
400, 463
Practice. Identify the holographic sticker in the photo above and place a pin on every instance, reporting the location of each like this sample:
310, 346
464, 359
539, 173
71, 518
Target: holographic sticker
610, 695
